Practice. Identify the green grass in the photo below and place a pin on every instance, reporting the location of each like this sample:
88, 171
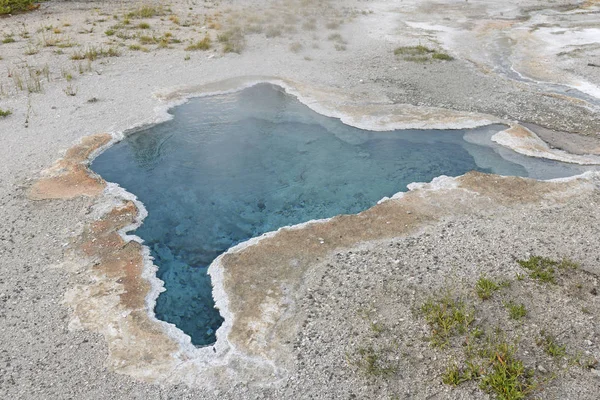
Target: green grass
506, 376
496, 368
93, 53
543, 269
550, 346
233, 40
412, 50
515, 311
446, 317
421, 53
4, 113
146, 11
373, 362
143, 25
8, 39
485, 288
454, 375
441, 56
203, 44
14, 6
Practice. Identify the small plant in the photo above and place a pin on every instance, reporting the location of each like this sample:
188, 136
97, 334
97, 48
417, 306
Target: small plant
31, 50
137, 47
143, 25
146, 11
566, 264
14, 6
70, 90
446, 316
92, 53
204, 44
372, 362
453, 376
4, 113
110, 32
8, 39
441, 56
550, 346
233, 40
412, 50
336, 37
507, 377
515, 311
485, 288
147, 39
540, 268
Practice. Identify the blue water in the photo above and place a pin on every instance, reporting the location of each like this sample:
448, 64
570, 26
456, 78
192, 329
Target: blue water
230, 167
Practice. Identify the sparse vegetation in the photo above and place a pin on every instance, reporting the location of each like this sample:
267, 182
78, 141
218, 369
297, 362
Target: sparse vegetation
15, 6
70, 90
421, 53
204, 44
146, 11
233, 40
412, 50
506, 376
446, 316
441, 56
92, 53
485, 288
4, 113
543, 269
373, 362
515, 311
550, 346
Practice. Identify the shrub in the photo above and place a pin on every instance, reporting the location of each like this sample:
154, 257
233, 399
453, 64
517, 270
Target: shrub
203, 44
12, 6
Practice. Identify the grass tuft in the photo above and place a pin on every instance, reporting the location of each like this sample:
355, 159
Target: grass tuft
203, 44
540, 268
441, 56
550, 346
146, 11
412, 50
373, 363
4, 113
506, 377
515, 311
14, 6
485, 288
446, 317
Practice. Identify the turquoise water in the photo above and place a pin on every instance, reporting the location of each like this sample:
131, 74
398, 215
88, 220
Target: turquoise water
230, 167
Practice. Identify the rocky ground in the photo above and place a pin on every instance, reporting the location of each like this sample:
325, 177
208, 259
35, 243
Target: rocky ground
77, 68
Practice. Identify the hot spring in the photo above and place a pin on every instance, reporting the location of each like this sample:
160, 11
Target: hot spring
230, 167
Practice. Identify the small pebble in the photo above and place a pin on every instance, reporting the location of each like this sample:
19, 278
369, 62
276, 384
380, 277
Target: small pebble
542, 369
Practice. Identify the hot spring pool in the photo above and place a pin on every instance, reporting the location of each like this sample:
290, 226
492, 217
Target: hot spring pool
230, 167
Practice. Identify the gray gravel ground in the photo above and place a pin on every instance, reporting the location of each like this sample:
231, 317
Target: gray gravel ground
40, 358
380, 283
